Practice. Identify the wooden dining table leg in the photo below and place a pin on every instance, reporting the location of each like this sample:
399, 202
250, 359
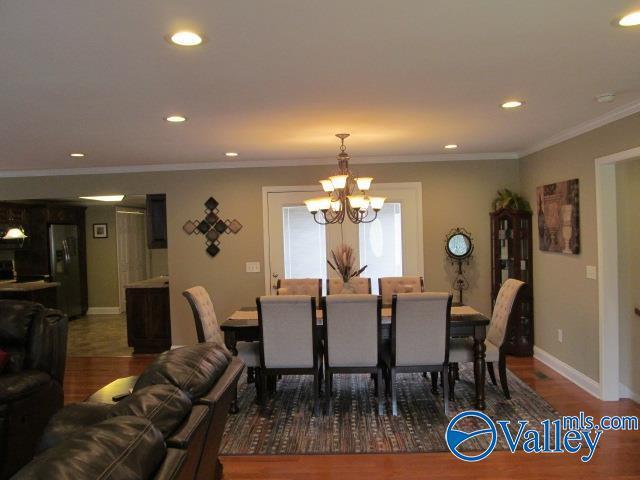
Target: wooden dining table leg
479, 365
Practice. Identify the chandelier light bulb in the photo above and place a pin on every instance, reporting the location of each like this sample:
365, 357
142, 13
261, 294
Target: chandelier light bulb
377, 202
327, 186
324, 203
364, 183
339, 181
312, 205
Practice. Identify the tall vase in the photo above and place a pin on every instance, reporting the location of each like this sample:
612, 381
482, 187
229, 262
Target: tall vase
347, 288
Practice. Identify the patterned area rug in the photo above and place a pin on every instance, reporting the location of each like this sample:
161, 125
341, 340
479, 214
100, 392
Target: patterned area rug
288, 425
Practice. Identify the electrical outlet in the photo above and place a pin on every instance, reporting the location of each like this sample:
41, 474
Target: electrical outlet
253, 267
592, 272
560, 335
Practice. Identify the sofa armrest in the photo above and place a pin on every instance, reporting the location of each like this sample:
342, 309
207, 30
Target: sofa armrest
197, 421
48, 344
229, 379
171, 467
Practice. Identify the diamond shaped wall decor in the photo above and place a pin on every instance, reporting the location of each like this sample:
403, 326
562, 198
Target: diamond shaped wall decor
212, 227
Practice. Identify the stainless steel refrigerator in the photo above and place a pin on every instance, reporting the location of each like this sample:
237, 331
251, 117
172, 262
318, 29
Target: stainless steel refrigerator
65, 267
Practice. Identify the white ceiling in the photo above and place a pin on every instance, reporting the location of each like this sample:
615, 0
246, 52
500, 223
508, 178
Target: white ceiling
278, 78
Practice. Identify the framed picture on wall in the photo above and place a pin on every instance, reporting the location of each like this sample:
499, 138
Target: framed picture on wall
100, 230
559, 217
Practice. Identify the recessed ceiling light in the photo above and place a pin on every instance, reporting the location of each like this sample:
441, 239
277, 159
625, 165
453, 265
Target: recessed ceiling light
513, 104
630, 20
176, 119
105, 198
186, 38
77, 154
231, 154
451, 146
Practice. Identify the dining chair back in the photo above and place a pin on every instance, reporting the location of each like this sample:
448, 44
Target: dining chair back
352, 339
502, 311
300, 286
352, 330
420, 326
387, 286
359, 285
287, 331
204, 315
289, 343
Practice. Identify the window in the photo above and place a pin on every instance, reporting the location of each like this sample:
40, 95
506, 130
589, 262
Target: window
381, 245
305, 249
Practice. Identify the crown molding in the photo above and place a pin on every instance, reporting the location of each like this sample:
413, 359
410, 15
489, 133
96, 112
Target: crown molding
612, 116
173, 167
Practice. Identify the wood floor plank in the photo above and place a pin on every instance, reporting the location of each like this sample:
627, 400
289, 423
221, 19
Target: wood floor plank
617, 456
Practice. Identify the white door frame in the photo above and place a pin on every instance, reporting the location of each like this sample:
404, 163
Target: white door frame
608, 298
416, 186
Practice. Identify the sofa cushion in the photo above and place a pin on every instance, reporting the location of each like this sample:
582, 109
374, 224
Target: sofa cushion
19, 385
16, 317
71, 419
120, 448
165, 406
193, 369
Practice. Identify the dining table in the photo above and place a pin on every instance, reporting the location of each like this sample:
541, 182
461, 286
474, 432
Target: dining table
242, 325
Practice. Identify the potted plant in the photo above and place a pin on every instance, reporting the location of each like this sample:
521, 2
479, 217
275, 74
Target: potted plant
510, 200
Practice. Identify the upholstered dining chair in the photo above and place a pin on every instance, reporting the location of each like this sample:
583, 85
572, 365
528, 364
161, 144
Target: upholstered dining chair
461, 350
420, 324
361, 285
300, 286
288, 340
208, 330
352, 339
387, 286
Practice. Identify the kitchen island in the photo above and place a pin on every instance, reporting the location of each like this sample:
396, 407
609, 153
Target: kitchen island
148, 316
39, 291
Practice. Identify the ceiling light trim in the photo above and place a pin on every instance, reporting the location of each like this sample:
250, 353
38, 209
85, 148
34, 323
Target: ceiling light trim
175, 167
584, 127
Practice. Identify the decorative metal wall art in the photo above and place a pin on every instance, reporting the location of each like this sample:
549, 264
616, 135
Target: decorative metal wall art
458, 245
212, 226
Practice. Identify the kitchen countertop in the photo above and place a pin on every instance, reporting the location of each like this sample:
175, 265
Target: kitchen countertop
156, 282
13, 286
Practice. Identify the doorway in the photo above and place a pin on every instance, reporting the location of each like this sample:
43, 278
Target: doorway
297, 247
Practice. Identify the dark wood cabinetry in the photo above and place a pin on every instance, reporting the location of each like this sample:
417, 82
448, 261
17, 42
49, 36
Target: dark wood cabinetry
511, 254
157, 220
31, 257
148, 319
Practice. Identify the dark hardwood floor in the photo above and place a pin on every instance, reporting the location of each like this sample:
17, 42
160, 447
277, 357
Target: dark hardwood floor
618, 454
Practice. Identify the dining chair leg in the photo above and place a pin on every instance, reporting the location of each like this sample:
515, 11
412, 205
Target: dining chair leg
456, 371
445, 374
316, 392
394, 399
502, 370
492, 373
264, 389
451, 383
328, 402
379, 392
434, 383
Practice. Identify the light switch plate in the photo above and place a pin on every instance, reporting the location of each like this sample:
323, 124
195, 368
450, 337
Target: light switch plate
253, 267
592, 272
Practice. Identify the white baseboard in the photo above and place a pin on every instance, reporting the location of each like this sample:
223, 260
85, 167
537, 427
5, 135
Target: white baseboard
103, 311
626, 392
588, 384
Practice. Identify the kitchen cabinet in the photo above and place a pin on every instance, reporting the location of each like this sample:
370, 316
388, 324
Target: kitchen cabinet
148, 316
156, 217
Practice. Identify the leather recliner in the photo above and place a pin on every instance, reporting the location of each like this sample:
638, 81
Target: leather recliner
31, 383
184, 393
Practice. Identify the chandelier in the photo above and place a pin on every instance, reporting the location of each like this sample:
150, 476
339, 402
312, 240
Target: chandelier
346, 195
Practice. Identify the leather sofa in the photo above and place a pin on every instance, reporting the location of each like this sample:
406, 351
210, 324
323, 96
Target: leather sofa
169, 427
35, 339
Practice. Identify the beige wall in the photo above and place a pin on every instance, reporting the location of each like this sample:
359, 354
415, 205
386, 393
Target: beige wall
628, 190
102, 258
563, 297
158, 262
454, 194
